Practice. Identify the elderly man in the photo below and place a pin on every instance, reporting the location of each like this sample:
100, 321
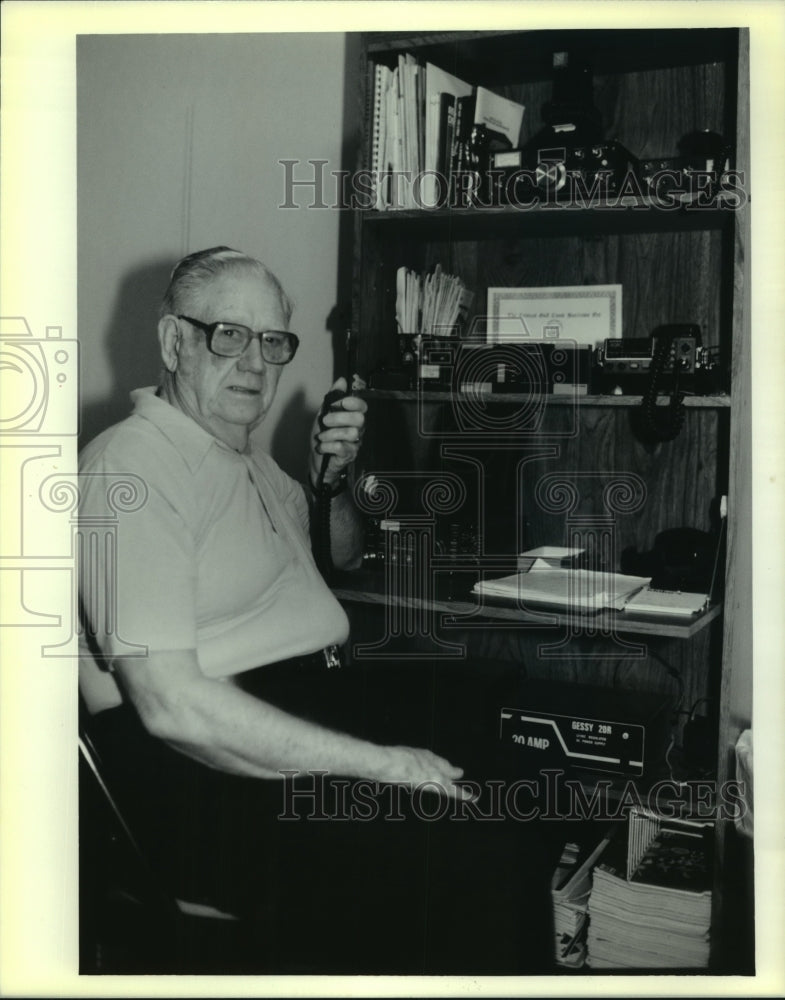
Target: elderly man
215, 573
215, 679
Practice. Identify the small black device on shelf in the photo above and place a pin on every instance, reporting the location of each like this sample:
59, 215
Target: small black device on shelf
698, 175
681, 559
628, 363
568, 157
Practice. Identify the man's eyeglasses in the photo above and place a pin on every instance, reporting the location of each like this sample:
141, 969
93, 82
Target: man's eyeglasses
229, 340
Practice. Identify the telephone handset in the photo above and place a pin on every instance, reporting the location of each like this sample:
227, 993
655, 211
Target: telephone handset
680, 559
673, 357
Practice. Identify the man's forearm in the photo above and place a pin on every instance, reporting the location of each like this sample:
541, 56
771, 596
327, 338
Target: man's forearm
227, 729
222, 726
346, 532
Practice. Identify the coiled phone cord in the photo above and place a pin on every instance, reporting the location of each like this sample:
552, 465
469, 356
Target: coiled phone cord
663, 423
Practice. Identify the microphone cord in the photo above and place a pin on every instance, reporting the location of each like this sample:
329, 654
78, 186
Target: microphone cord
324, 496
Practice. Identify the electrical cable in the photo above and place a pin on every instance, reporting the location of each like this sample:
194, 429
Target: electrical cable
723, 521
700, 701
674, 673
669, 764
670, 670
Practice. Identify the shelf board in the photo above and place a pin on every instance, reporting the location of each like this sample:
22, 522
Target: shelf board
496, 56
630, 214
396, 41
435, 396
369, 588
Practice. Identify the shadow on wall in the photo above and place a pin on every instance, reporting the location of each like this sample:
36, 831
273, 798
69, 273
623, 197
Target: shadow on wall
341, 319
132, 346
290, 442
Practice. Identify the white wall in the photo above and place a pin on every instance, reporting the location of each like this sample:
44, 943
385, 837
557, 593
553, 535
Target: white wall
179, 138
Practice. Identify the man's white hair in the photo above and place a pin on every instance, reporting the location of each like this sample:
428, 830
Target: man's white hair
190, 274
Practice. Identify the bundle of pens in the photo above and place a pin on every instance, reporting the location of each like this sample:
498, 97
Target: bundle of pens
431, 305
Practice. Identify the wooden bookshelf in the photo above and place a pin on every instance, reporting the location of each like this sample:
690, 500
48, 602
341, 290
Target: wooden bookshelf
686, 264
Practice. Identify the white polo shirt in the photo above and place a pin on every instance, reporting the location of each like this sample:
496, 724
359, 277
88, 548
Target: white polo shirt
215, 557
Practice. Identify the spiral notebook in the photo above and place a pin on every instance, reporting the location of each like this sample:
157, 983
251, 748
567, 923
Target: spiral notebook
666, 602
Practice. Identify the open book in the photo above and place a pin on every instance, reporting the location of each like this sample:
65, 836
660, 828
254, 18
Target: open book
571, 589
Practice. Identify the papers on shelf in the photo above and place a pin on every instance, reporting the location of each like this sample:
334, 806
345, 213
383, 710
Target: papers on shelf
500, 116
665, 602
573, 589
430, 304
548, 557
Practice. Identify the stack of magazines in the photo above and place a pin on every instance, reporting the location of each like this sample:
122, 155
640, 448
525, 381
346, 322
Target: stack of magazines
652, 911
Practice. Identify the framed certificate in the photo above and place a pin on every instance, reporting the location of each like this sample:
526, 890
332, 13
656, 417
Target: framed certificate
583, 314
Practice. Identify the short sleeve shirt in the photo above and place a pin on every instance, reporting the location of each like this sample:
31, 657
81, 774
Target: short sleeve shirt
203, 548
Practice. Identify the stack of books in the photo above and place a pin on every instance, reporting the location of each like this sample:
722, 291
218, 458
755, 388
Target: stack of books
650, 904
422, 121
